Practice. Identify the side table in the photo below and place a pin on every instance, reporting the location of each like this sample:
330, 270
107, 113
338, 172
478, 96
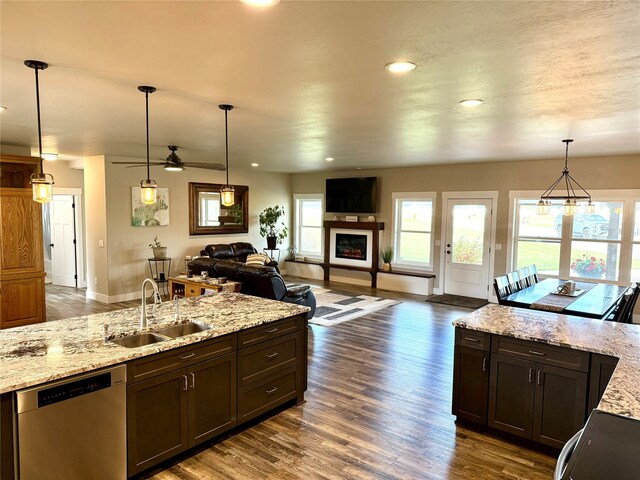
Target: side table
160, 269
272, 255
196, 285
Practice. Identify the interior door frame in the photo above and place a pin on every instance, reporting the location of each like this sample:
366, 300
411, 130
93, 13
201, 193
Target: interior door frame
79, 217
480, 195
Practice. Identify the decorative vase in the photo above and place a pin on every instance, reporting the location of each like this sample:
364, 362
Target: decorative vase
159, 252
386, 267
271, 243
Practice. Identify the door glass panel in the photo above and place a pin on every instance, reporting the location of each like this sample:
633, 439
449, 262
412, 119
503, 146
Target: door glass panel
468, 234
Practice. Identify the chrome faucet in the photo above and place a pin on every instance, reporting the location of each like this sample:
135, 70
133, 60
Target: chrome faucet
156, 297
176, 299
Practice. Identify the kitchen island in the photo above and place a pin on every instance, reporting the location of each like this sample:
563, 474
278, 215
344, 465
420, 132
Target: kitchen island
538, 375
250, 358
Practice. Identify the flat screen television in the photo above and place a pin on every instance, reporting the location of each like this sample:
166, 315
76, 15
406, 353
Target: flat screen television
352, 195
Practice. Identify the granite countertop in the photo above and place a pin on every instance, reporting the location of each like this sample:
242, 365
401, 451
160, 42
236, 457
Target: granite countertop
620, 340
39, 353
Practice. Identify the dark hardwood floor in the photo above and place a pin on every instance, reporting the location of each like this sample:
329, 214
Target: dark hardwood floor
378, 407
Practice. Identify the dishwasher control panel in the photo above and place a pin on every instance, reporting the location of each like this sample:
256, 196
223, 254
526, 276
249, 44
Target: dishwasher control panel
69, 390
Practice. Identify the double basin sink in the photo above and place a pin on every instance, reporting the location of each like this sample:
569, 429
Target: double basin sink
161, 335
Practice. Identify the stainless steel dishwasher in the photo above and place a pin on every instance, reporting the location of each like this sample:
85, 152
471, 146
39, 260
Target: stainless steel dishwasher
74, 428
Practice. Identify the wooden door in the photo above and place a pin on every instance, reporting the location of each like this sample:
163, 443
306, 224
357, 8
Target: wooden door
156, 419
212, 398
470, 384
560, 404
511, 395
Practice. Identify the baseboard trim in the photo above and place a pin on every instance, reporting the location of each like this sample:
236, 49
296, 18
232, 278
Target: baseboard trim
124, 297
99, 297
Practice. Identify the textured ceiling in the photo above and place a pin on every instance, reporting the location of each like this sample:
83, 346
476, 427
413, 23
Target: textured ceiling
308, 80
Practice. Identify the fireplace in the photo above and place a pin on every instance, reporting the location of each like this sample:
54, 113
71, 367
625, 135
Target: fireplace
351, 247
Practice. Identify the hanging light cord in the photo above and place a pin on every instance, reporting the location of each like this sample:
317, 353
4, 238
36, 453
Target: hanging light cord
146, 99
226, 142
39, 127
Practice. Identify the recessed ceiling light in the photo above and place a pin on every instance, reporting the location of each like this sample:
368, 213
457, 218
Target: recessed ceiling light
49, 156
260, 3
400, 67
255, 164
2, 108
328, 159
472, 102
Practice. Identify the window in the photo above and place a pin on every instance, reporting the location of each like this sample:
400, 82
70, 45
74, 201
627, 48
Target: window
412, 229
603, 245
308, 224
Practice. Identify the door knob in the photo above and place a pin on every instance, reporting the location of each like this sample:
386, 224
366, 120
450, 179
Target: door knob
448, 252
51, 244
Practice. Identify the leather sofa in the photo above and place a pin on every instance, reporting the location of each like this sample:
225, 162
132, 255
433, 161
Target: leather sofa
237, 251
260, 281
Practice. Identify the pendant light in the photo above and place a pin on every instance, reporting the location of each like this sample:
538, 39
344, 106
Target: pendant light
41, 183
569, 191
227, 192
148, 187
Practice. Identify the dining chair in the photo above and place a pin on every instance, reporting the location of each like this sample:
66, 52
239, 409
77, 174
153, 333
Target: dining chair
514, 281
523, 273
533, 274
623, 311
502, 288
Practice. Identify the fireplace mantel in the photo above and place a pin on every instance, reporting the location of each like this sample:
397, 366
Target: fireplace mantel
375, 227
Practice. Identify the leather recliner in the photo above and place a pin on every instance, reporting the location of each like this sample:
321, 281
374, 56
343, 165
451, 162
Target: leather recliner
260, 281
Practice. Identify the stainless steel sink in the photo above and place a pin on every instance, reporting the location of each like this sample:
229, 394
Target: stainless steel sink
140, 340
180, 330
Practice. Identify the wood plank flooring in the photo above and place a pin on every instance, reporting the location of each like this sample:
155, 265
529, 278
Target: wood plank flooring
378, 407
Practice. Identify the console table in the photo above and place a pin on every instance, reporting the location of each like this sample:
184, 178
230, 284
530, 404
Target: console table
194, 286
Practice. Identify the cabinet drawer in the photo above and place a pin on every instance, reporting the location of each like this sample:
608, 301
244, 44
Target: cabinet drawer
267, 358
268, 331
266, 394
473, 339
541, 353
160, 363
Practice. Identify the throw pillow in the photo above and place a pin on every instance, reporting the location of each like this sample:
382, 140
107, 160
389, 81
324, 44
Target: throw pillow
257, 259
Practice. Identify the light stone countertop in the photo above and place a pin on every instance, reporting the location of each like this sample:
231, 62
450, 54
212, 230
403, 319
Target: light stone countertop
622, 395
43, 352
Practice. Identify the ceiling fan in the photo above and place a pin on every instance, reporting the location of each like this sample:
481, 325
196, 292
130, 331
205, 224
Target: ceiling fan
174, 163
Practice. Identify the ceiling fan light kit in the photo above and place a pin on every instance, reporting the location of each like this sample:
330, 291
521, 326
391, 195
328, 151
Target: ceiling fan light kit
174, 164
566, 189
148, 187
227, 192
41, 183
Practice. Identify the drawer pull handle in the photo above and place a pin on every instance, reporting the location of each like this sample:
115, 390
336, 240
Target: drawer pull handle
273, 330
193, 380
531, 375
533, 352
186, 385
469, 339
190, 355
539, 381
484, 364
272, 355
272, 390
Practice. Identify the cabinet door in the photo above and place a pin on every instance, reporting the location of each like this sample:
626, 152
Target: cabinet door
560, 404
212, 398
470, 384
511, 395
602, 367
156, 419
20, 233
21, 301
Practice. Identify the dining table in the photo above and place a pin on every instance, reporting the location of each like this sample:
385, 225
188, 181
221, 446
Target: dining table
590, 299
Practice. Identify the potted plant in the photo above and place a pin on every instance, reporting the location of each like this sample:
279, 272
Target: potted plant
158, 250
268, 226
589, 267
387, 255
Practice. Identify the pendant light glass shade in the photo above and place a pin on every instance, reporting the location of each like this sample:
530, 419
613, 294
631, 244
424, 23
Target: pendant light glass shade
227, 192
148, 191
148, 187
566, 189
41, 183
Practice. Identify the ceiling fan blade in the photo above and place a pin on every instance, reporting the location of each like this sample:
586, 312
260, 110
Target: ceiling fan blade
208, 166
137, 163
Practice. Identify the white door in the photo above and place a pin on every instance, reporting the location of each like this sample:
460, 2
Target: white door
63, 247
467, 247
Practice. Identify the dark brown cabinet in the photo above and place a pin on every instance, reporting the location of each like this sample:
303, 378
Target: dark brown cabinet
528, 389
471, 376
602, 367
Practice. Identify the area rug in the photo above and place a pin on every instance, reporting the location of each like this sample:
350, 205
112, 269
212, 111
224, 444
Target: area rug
335, 307
458, 301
